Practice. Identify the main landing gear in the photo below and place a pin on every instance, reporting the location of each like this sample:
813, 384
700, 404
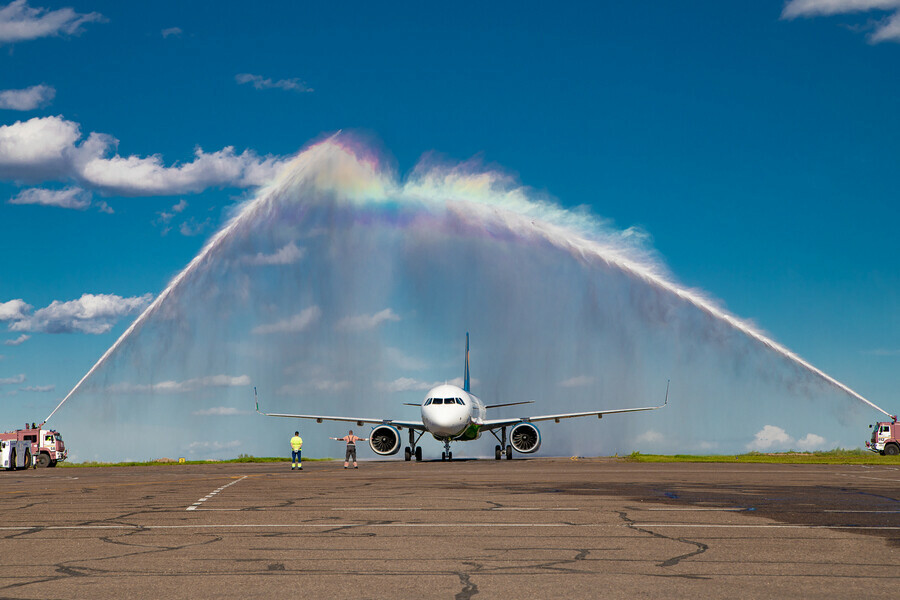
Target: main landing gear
499, 450
413, 449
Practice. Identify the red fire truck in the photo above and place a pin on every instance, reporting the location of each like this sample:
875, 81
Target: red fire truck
47, 446
885, 437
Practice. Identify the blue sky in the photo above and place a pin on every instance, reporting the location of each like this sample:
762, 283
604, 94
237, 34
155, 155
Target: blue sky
755, 142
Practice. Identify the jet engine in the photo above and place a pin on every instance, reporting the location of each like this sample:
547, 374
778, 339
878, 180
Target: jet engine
384, 440
525, 438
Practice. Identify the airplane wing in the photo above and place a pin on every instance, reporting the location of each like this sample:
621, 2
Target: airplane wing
360, 421
494, 423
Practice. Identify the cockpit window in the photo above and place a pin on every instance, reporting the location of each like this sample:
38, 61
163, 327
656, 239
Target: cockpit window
427, 402
438, 401
460, 402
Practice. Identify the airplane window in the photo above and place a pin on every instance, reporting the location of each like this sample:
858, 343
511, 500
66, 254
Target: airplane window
459, 401
438, 401
427, 402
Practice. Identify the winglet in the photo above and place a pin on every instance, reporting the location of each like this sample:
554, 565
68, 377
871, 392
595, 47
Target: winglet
466, 379
667, 392
256, 396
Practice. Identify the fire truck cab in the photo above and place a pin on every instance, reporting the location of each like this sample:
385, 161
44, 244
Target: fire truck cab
885, 438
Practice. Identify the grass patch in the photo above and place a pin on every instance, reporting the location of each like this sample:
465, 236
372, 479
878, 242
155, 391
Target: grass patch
838, 456
243, 458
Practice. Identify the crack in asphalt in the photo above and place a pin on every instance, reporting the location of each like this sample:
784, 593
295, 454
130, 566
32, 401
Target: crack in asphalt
701, 547
469, 588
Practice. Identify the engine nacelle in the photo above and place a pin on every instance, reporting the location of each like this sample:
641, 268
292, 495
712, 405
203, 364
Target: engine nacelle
525, 438
385, 440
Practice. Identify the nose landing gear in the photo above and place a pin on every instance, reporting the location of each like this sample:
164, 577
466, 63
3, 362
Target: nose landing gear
446, 454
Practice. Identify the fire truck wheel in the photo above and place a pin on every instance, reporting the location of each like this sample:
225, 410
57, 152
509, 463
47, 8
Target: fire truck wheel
43, 460
892, 449
52, 463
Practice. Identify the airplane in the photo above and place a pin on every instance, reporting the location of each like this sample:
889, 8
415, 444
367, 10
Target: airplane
454, 414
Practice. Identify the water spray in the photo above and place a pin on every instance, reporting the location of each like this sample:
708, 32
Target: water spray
477, 202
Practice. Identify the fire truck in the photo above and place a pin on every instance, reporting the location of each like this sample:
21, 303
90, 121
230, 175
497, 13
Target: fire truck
47, 446
15, 454
885, 437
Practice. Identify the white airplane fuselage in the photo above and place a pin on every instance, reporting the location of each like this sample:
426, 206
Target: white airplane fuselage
449, 412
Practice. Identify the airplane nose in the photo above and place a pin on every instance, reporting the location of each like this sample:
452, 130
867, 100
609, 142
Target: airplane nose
448, 421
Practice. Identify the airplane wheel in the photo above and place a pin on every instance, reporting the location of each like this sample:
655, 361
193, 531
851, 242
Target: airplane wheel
443, 456
449, 456
508, 452
498, 452
407, 454
418, 453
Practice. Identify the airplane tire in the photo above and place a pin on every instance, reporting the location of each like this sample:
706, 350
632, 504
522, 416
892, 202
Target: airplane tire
418, 453
443, 456
508, 452
498, 453
43, 460
407, 454
449, 456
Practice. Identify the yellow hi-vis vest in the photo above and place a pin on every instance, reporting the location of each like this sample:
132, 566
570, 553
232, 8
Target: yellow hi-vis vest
296, 442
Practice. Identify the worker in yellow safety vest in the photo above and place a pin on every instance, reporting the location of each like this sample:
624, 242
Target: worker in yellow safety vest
296, 445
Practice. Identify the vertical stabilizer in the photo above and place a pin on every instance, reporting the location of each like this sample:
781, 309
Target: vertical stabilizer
466, 378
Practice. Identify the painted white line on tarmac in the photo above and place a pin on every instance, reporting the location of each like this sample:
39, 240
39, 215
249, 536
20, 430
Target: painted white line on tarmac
724, 526
694, 509
872, 512
468, 509
211, 494
433, 525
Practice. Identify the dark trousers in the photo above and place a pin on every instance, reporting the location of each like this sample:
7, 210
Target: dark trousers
295, 457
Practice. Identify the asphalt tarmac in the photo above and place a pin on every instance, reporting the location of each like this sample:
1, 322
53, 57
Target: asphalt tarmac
539, 528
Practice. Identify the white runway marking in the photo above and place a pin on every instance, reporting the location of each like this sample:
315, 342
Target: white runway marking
873, 512
385, 508
694, 509
211, 494
723, 526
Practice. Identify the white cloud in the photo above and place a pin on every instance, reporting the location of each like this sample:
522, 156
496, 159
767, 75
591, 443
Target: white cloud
650, 437
887, 29
38, 388
261, 83
20, 22
176, 31
19, 340
20, 378
580, 381
92, 313
14, 310
178, 387
811, 442
295, 324
365, 322
70, 197
199, 446
192, 227
36, 96
286, 255
179, 206
220, 411
771, 437
52, 149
